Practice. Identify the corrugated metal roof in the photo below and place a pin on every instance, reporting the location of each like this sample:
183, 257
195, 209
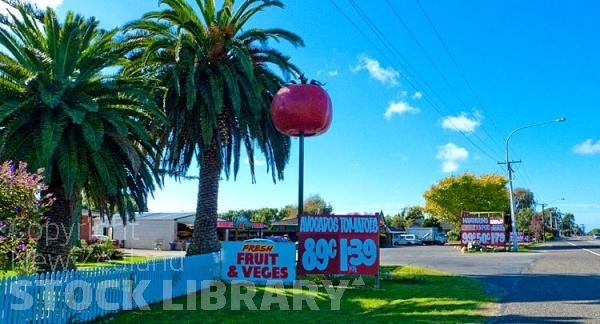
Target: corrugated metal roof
286, 222
164, 216
183, 217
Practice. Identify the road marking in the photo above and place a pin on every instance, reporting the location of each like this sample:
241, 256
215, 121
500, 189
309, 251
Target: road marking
592, 252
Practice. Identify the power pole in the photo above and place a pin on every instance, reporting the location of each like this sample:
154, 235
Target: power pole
513, 220
543, 224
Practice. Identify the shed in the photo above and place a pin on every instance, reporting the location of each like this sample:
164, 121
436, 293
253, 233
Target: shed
157, 230
150, 230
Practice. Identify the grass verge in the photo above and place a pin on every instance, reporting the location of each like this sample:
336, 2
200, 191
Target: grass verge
406, 295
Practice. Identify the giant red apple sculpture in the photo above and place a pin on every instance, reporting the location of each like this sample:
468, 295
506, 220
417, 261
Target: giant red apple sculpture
301, 109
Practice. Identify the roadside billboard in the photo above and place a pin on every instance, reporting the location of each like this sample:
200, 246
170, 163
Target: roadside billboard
485, 228
339, 244
258, 260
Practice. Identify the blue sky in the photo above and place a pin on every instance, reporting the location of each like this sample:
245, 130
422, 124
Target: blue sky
424, 89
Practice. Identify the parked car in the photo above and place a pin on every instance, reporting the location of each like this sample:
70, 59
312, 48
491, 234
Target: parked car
405, 239
596, 236
278, 238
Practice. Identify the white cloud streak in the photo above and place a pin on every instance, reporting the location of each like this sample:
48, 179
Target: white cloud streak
587, 147
399, 108
387, 76
451, 155
42, 4
461, 123
417, 95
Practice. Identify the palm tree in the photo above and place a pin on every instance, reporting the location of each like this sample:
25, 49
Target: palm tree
219, 86
64, 107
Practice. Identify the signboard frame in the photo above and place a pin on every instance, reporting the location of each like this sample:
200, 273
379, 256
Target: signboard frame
484, 228
258, 261
339, 244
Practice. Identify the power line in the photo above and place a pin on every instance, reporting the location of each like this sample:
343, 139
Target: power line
392, 49
435, 66
457, 66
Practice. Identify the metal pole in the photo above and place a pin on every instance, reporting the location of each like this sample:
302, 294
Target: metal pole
513, 221
510, 185
301, 177
543, 224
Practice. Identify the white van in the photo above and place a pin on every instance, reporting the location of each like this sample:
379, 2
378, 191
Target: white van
401, 238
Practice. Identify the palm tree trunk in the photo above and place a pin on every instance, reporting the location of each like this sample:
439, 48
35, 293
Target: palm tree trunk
53, 245
204, 237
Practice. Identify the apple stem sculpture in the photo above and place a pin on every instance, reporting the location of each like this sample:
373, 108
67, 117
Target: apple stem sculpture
301, 110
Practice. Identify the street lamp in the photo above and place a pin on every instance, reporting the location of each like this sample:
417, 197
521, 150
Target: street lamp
510, 186
543, 221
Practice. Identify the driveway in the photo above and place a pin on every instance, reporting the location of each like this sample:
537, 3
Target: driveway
154, 253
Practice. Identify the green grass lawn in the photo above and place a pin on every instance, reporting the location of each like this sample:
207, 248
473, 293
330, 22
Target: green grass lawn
406, 295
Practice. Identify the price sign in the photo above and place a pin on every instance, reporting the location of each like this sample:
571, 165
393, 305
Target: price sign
483, 228
339, 244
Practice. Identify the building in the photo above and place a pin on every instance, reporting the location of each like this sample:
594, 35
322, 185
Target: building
283, 227
171, 230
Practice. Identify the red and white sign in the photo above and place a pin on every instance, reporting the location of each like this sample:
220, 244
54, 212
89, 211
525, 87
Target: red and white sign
339, 244
484, 230
258, 261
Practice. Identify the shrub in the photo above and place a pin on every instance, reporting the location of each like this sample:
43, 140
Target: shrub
453, 235
102, 250
23, 201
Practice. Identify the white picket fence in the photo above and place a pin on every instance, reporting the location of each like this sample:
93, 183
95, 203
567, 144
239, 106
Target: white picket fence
82, 296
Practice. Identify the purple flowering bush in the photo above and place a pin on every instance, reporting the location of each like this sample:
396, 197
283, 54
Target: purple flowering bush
22, 204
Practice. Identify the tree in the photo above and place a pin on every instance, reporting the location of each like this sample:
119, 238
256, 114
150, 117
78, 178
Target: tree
288, 212
536, 227
413, 213
466, 192
63, 110
568, 223
215, 69
315, 205
262, 215
523, 198
524, 219
21, 209
553, 217
265, 215
398, 221
432, 222
407, 217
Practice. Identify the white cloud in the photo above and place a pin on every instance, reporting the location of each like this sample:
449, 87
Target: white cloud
256, 162
387, 76
461, 123
332, 73
417, 95
451, 155
587, 147
42, 4
399, 108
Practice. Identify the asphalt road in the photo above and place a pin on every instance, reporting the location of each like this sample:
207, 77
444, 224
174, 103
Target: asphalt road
559, 283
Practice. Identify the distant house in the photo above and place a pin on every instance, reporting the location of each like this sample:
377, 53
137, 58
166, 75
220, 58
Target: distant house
150, 230
158, 230
287, 227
